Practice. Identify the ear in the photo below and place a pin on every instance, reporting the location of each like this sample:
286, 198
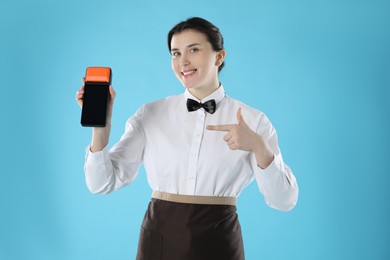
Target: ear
220, 57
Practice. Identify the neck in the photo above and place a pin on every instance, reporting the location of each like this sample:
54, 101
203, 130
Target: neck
204, 92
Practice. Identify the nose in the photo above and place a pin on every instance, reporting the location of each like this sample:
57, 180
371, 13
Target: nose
184, 60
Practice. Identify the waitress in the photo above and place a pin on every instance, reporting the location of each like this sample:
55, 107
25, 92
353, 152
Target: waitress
200, 149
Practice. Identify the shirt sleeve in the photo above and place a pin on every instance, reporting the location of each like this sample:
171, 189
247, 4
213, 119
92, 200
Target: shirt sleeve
277, 183
110, 169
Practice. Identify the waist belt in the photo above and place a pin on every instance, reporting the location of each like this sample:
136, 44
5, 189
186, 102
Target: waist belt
190, 199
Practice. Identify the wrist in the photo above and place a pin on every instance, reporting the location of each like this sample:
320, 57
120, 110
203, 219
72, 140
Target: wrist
263, 163
100, 137
263, 153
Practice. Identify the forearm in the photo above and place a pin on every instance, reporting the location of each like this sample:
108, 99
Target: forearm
109, 170
278, 185
278, 182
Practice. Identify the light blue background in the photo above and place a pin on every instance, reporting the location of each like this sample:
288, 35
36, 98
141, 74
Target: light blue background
319, 69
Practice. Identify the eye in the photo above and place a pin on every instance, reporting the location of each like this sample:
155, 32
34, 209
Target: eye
175, 54
194, 50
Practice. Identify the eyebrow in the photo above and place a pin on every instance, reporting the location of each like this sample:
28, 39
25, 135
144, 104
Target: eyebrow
189, 46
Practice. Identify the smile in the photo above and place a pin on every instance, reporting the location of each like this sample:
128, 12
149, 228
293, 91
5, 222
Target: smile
188, 73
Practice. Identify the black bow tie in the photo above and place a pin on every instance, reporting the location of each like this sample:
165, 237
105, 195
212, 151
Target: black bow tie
209, 106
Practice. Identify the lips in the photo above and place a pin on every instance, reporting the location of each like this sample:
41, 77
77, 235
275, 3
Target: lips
188, 73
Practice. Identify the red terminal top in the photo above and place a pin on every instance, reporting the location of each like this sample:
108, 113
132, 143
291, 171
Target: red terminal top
98, 74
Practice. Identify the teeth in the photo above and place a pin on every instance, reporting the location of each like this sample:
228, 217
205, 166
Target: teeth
186, 73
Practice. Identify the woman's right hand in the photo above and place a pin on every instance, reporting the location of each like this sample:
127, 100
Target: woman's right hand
100, 135
80, 97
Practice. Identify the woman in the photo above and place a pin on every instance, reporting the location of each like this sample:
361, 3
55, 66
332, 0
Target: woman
200, 149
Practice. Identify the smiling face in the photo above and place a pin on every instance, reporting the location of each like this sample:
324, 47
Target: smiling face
195, 63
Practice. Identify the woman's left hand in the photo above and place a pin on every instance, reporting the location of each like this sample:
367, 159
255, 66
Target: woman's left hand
240, 137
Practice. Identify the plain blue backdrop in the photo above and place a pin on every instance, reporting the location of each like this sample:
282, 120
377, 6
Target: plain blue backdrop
320, 70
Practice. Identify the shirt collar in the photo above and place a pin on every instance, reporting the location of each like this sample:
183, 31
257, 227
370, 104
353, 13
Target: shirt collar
217, 95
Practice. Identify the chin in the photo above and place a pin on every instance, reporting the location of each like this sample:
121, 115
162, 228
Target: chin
187, 85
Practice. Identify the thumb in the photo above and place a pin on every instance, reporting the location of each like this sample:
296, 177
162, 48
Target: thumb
112, 91
240, 119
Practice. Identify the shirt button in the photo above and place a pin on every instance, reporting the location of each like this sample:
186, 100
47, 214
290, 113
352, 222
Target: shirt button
191, 177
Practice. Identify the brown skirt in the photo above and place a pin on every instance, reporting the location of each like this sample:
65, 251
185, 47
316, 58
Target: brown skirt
181, 231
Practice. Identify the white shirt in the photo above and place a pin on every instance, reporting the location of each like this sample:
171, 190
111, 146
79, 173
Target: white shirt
181, 156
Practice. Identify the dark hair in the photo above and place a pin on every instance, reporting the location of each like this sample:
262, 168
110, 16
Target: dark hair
212, 33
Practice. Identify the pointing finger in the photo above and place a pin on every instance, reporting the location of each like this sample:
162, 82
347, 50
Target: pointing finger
220, 127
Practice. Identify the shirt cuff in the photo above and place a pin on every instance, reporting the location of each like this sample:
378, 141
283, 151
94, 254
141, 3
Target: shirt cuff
97, 170
273, 169
96, 157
